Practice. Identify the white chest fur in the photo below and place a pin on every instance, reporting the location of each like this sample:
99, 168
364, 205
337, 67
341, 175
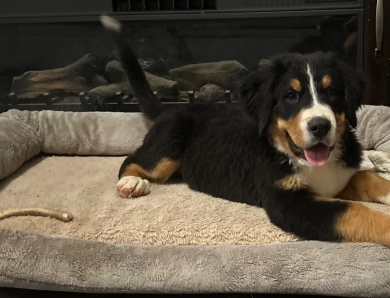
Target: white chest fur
328, 180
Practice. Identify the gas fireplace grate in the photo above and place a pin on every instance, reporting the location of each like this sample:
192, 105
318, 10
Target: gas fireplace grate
81, 102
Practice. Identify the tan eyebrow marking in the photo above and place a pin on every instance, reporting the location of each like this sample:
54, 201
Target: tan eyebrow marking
296, 85
326, 81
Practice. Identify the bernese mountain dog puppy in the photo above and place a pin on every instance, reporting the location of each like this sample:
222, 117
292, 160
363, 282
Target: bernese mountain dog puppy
288, 148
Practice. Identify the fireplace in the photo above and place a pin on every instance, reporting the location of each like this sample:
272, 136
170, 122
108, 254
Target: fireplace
55, 54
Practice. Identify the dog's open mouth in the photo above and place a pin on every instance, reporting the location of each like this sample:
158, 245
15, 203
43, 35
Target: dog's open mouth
316, 155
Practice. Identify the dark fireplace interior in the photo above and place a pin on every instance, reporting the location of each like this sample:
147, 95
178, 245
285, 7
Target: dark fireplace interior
60, 58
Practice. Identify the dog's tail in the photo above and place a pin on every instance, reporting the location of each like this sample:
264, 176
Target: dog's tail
150, 105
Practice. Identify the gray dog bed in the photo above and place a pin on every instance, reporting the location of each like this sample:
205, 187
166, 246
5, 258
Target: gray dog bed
174, 240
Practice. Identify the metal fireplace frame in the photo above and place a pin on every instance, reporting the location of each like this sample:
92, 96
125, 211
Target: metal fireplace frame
54, 11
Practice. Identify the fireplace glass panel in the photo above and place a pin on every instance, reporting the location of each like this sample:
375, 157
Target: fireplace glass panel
72, 65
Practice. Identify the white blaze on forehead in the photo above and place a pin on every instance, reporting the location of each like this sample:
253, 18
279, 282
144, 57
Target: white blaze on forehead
312, 88
317, 109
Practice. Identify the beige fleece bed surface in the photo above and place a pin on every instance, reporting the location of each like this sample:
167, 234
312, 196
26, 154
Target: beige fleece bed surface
171, 214
85, 187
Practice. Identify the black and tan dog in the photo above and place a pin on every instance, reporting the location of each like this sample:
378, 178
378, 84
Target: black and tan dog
290, 150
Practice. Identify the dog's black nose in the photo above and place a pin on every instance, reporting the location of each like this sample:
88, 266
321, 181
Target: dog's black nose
319, 127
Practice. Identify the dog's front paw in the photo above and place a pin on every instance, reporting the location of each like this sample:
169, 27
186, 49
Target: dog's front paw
132, 186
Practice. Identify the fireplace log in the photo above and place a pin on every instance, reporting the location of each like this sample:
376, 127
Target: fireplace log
102, 94
115, 72
77, 77
165, 88
264, 62
194, 76
211, 92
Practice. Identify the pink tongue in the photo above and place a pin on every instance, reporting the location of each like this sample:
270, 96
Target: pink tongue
317, 155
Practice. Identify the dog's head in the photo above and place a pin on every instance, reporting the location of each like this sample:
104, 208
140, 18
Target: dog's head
304, 103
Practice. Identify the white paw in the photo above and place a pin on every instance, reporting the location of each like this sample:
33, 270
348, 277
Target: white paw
132, 186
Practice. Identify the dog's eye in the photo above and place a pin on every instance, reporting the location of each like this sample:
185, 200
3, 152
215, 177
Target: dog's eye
332, 92
291, 97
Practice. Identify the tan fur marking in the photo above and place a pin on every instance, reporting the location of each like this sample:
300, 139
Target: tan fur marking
293, 127
366, 186
361, 224
340, 119
290, 183
280, 138
296, 85
134, 170
279, 127
163, 170
326, 81
340, 123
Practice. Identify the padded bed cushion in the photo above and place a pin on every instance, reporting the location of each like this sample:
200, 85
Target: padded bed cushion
174, 240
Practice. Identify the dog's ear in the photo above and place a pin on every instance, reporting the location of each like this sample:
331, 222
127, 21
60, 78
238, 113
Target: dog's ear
256, 94
354, 89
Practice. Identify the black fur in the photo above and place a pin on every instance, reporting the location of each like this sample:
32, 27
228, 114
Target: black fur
257, 94
150, 105
226, 150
